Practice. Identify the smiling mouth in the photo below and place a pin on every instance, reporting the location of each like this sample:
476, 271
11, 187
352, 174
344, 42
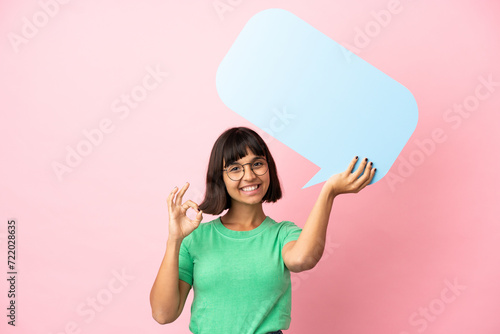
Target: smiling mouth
250, 189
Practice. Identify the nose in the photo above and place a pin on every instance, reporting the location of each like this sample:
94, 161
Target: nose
249, 174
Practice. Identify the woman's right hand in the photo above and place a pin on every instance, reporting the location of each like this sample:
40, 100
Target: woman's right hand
180, 225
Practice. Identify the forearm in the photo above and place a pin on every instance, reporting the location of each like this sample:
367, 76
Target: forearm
311, 242
164, 296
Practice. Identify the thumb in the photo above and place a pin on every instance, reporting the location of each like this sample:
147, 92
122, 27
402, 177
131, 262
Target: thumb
199, 215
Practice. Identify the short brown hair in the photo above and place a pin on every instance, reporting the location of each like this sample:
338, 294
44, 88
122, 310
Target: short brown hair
232, 145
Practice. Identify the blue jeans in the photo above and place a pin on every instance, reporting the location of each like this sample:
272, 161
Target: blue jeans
278, 332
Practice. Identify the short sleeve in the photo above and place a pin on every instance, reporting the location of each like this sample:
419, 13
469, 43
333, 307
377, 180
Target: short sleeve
185, 262
289, 231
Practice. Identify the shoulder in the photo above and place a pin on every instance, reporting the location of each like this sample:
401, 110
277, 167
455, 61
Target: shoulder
288, 229
284, 226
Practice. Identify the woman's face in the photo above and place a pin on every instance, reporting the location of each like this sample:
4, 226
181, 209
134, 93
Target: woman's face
235, 188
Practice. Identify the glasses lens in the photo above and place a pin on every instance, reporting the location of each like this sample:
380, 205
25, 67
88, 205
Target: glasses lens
259, 166
235, 172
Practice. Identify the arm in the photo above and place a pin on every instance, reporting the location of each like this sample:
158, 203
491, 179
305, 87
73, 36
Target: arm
168, 294
306, 251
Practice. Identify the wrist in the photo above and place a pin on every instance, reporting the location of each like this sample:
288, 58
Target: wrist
174, 240
330, 191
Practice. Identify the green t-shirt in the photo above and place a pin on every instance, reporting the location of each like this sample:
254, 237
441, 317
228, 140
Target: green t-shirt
240, 282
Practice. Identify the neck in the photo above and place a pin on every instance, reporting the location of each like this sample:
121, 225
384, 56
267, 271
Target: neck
243, 216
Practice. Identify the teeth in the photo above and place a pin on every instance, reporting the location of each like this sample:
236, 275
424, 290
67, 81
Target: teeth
250, 188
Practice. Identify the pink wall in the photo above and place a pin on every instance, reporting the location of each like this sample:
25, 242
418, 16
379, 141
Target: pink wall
90, 241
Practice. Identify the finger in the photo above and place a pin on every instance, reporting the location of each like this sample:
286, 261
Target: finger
372, 174
181, 193
352, 164
199, 217
170, 197
367, 172
190, 204
361, 167
361, 180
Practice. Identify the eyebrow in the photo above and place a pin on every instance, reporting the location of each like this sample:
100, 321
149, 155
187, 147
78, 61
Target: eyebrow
235, 162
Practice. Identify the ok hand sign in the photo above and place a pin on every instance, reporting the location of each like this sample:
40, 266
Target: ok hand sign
180, 225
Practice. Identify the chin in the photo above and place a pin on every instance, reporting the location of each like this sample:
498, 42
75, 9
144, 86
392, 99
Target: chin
250, 202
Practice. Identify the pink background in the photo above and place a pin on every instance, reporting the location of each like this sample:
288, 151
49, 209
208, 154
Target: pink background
392, 249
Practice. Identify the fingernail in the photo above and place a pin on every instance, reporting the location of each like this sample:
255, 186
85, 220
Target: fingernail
366, 159
374, 169
371, 163
356, 157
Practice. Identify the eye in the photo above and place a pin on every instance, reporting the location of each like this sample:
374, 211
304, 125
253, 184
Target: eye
258, 163
234, 168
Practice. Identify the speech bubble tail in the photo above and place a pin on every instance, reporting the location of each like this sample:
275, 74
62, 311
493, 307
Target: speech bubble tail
321, 176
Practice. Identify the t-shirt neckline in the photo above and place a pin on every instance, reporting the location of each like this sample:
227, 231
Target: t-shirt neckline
241, 234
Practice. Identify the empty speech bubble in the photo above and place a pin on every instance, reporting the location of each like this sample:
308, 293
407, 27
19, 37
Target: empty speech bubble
314, 95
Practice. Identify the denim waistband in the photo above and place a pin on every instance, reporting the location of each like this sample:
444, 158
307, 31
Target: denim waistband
277, 332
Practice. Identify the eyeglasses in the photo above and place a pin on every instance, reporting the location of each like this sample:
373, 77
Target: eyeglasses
235, 171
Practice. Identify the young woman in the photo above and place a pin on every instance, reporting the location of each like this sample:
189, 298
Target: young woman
239, 264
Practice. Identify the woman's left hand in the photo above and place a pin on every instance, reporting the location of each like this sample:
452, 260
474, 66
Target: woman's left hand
351, 182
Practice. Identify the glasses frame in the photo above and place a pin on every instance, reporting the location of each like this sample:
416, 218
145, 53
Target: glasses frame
243, 168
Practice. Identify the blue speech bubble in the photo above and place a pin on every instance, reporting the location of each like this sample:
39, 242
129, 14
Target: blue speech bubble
315, 96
